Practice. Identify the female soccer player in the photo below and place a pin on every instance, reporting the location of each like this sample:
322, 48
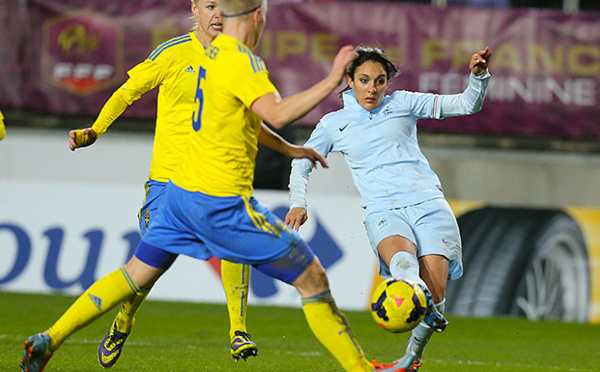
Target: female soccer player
172, 66
208, 209
410, 225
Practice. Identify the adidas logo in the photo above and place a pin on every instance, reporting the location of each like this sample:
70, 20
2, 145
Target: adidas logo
96, 300
190, 69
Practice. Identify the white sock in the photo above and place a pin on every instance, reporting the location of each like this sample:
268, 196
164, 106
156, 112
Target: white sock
422, 333
405, 265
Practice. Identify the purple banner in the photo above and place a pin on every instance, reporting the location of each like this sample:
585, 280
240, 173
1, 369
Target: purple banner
11, 37
79, 51
545, 68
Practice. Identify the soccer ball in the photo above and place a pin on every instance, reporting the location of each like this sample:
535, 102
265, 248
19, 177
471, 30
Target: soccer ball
398, 305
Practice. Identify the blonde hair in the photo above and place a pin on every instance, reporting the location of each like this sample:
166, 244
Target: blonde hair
194, 17
235, 8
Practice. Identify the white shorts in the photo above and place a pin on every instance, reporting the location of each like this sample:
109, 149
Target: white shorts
430, 225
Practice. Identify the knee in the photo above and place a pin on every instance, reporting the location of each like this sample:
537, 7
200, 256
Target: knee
316, 274
313, 280
143, 275
320, 274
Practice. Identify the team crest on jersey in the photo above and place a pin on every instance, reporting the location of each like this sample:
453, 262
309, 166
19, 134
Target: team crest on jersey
82, 52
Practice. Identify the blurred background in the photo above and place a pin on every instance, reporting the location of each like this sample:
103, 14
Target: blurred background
521, 175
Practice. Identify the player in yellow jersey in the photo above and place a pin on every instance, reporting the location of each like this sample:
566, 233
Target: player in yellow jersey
208, 209
2, 129
172, 66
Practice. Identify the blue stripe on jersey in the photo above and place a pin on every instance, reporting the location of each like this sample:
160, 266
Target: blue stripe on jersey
257, 62
161, 45
261, 64
167, 44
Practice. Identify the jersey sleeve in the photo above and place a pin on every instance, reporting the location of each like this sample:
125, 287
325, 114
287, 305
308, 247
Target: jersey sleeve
468, 102
112, 109
142, 78
252, 80
145, 77
301, 168
420, 105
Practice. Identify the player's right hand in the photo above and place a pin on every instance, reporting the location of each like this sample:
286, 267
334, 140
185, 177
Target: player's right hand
480, 60
81, 138
302, 152
341, 61
296, 217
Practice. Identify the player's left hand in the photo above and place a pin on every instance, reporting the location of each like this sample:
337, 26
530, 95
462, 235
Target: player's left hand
480, 60
296, 217
301, 152
81, 138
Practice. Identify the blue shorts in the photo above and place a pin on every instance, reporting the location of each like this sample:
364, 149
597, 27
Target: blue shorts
430, 225
236, 229
152, 200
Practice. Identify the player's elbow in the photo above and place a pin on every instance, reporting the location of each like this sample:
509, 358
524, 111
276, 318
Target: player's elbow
271, 110
473, 110
276, 120
472, 107
277, 124
477, 108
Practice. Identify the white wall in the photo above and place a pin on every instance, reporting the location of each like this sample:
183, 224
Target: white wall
492, 176
52, 199
46, 190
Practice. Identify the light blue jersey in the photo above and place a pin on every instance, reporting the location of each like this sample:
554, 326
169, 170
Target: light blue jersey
399, 191
381, 148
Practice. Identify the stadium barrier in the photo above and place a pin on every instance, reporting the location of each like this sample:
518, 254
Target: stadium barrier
68, 218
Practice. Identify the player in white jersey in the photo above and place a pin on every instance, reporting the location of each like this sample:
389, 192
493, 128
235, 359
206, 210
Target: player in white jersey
409, 223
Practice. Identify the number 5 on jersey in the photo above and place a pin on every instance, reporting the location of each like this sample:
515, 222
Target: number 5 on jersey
198, 100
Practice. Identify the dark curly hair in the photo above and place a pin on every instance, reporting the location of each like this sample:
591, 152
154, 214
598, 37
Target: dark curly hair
373, 54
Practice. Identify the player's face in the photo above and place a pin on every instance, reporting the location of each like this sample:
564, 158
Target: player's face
209, 17
369, 83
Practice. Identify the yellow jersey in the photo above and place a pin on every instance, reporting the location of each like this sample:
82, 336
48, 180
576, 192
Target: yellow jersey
173, 67
221, 154
2, 129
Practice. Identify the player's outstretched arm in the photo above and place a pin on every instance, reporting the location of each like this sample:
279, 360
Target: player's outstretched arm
279, 112
275, 142
471, 100
112, 109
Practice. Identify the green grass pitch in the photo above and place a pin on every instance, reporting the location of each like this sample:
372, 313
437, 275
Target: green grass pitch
171, 336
